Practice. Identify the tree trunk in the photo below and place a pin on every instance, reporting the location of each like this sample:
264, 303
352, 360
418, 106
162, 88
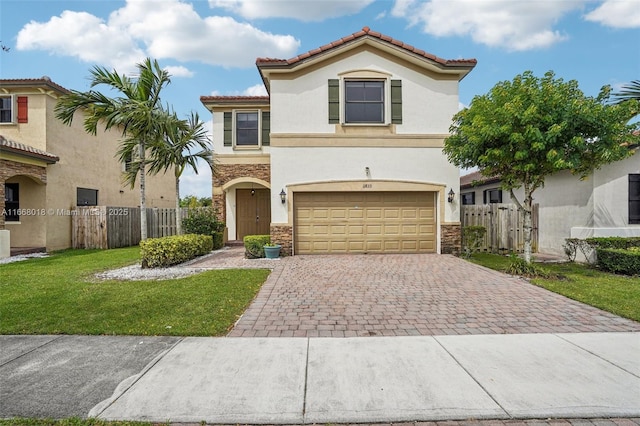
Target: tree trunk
527, 225
178, 218
528, 228
143, 201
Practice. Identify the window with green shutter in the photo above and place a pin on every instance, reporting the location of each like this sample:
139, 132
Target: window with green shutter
266, 128
334, 101
228, 129
396, 101
365, 102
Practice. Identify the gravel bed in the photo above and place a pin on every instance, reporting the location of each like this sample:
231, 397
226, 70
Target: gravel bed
21, 257
136, 273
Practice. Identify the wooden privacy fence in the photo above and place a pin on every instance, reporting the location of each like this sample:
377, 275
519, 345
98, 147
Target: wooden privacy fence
106, 227
504, 224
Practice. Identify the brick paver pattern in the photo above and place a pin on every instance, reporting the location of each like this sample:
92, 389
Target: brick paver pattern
403, 295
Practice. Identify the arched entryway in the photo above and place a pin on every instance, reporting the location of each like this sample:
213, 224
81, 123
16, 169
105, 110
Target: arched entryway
248, 208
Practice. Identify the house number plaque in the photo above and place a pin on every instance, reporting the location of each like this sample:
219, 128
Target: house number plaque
367, 185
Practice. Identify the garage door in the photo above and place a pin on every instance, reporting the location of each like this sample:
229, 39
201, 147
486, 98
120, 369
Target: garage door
364, 222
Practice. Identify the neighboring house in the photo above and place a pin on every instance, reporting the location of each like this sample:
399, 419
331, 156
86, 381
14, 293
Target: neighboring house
607, 203
345, 154
47, 168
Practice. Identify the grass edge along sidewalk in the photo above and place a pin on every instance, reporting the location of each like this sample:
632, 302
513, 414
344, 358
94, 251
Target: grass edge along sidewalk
58, 294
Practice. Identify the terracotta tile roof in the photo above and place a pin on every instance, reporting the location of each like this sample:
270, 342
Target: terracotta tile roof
235, 99
467, 181
366, 32
7, 145
30, 82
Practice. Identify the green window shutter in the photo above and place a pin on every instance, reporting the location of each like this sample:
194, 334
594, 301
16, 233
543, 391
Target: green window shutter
334, 100
228, 128
266, 128
396, 101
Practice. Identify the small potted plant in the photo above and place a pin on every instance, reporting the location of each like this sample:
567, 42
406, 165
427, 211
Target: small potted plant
272, 250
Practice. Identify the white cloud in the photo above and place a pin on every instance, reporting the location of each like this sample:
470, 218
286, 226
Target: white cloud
303, 10
140, 28
179, 71
514, 25
84, 36
617, 14
257, 90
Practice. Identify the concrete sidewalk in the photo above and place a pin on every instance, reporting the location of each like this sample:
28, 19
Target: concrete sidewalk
326, 380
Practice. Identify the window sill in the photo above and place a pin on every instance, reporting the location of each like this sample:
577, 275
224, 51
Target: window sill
247, 148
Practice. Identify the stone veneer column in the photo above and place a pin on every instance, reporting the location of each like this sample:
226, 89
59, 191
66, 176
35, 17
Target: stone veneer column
451, 238
283, 235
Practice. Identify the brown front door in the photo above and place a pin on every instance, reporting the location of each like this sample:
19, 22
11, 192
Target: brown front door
253, 212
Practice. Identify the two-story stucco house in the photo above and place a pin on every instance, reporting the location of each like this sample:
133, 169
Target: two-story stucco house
47, 168
345, 154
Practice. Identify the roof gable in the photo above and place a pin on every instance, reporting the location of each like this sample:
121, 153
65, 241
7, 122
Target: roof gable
457, 67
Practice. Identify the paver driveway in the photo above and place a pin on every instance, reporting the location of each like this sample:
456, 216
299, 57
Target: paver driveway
400, 295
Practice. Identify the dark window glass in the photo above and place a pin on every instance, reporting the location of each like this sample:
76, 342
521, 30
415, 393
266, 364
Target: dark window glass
87, 197
11, 202
492, 196
634, 199
364, 102
468, 198
246, 128
5, 109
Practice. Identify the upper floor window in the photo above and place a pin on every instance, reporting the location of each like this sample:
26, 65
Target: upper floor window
364, 101
11, 202
468, 198
247, 129
493, 196
87, 197
634, 199
6, 109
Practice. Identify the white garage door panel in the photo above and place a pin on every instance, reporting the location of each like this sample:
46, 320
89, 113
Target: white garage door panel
369, 222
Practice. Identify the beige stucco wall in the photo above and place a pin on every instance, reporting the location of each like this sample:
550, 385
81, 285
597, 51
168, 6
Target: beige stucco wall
86, 161
30, 231
572, 208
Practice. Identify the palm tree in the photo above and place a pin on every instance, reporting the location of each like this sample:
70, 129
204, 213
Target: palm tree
138, 112
184, 142
628, 91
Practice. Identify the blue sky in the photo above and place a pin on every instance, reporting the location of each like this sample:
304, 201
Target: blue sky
210, 47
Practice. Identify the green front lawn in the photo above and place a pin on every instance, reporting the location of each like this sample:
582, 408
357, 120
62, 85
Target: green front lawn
59, 295
618, 294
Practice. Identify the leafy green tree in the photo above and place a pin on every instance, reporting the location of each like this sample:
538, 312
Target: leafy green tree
529, 128
628, 91
137, 112
183, 143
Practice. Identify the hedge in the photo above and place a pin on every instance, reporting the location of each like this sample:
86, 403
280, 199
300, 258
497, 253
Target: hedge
619, 261
254, 245
167, 251
205, 222
613, 242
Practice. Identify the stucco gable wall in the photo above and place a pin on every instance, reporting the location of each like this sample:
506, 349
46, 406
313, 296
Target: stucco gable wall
300, 105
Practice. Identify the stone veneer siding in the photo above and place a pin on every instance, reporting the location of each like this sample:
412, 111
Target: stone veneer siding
283, 235
9, 169
225, 173
451, 239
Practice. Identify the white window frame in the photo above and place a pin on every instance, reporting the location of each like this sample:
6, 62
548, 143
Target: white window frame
14, 108
365, 75
234, 128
